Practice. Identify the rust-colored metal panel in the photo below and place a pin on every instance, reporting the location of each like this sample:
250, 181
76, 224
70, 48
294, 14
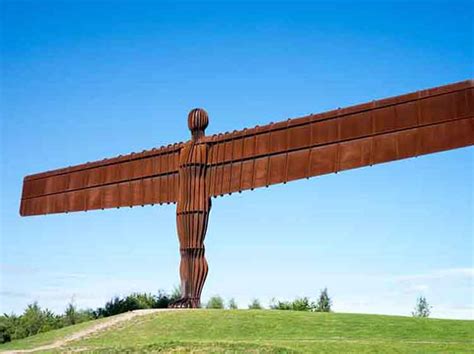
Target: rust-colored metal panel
261, 172
93, 198
262, 144
437, 108
279, 141
148, 191
355, 126
111, 174
76, 201
322, 160
353, 154
277, 169
298, 162
226, 176
59, 203
324, 132
299, 137
247, 175
362, 135
110, 196
136, 192
248, 150
77, 180
163, 189
124, 193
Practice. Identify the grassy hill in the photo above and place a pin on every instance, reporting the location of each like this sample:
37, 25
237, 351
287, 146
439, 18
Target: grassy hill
268, 331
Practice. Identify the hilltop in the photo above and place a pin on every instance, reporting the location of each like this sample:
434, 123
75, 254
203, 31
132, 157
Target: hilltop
257, 331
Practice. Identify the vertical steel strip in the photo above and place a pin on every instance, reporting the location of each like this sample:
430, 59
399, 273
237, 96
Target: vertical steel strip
253, 153
130, 190
66, 195
167, 176
394, 109
241, 162
308, 167
372, 123
231, 160
209, 170
418, 117
222, 168
336, 162
158, 179
270, 130
85, 183
287, 133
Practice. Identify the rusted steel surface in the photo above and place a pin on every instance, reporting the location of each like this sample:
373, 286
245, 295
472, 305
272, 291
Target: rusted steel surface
380, 131
192, 212
149, 177
191, 173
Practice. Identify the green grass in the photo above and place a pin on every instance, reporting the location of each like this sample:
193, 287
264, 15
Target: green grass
281, 331
47, 337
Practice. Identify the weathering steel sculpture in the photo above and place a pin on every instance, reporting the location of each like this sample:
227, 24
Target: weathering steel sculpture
190, 173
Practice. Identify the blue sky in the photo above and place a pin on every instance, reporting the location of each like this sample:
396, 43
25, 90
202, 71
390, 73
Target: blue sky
84, 80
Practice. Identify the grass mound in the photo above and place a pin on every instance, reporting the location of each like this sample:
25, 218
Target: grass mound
265, 331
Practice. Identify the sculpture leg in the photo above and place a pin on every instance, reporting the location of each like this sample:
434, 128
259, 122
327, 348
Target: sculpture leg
192, 227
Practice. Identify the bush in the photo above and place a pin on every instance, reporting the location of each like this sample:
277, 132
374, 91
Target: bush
422, 308
215, 302
5, 335
74, 316
135, 301
35, 320
176, 294
162, 300
324, 302
280, 305
13, 327
71, 316
232, 304
255, 305
299, 304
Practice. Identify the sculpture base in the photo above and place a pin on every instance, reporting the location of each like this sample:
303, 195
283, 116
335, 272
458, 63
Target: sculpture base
185, 303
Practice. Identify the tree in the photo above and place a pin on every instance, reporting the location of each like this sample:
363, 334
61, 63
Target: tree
232, 304
255, 305
5, 335
162, 300
176, 294
280, 305
215, 302
301, 304
298, 304
422, 308
70, 315
32, 319
324, 302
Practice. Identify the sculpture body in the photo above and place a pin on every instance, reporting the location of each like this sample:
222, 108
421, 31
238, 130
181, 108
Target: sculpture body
190, 173
192, 212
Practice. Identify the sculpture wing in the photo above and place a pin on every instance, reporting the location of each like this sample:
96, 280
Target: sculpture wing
142, 178
390, 129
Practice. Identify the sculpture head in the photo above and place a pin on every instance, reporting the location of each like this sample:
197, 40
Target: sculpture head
198, 121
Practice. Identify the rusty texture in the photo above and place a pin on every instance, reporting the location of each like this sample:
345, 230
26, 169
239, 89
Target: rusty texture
192, 211
379, 131
149, 177
190, 173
